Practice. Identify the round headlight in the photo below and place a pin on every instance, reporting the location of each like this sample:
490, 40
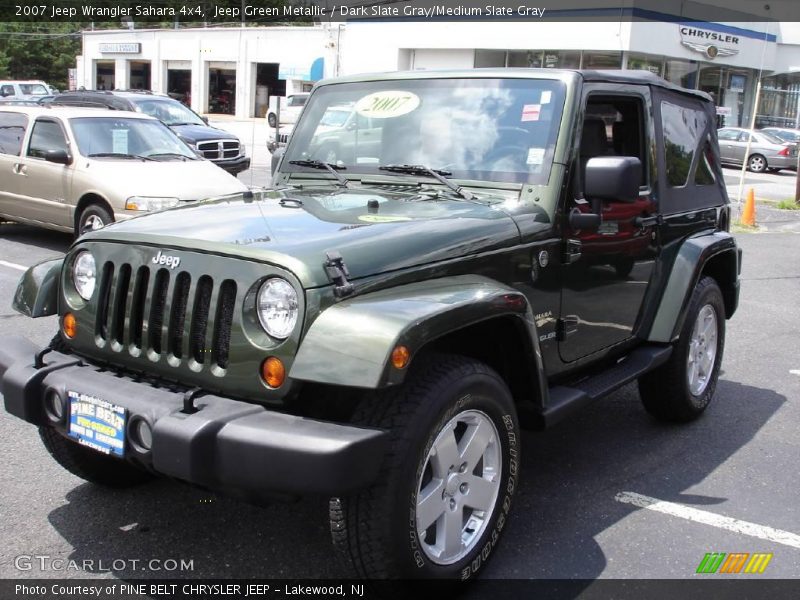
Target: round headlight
84, 274
277, 307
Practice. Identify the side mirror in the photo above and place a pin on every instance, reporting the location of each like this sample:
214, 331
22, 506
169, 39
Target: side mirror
276, 158
204, 119
584, 221
61, 157
612, 178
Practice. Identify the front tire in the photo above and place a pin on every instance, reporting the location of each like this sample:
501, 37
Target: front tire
92, 217
681, 389
446, 484
91, 465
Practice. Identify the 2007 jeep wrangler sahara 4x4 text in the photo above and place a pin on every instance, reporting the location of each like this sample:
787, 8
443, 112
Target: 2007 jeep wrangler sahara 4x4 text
478, 250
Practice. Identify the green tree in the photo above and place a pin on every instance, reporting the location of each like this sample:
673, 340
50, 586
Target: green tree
38, 51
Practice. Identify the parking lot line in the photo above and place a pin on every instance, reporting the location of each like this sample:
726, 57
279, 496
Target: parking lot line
708, 518
11, 265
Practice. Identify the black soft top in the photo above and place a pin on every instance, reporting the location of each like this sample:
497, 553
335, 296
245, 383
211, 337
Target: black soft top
638, 77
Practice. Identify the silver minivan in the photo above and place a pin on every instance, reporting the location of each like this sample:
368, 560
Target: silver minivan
77, 169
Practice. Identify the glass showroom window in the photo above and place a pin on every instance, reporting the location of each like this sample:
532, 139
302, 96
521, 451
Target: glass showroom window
645, 62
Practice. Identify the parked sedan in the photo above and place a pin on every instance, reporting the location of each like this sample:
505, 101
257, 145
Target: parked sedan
786, 134
766, 152
77, 169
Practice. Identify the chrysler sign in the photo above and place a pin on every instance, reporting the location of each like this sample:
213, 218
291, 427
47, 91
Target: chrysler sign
710, 43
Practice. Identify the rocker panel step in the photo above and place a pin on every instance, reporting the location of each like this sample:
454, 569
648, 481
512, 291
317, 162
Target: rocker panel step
564, 400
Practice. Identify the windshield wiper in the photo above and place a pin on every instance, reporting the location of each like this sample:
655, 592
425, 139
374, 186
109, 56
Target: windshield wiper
438, 174
178, 124
318, 164
118, 155
183, 156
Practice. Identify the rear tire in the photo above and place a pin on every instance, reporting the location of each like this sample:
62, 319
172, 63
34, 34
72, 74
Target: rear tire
90, 464
757, 163
454, 447
682, 388
91, 218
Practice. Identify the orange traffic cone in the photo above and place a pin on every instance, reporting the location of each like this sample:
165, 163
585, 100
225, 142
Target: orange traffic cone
749, 212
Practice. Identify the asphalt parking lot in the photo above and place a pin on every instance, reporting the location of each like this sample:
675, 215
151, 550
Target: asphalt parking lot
608, 494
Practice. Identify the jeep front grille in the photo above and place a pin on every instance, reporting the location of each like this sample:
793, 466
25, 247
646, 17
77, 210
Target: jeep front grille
156, 305
219, 149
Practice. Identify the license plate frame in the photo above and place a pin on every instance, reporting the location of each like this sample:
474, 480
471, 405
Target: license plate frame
97, 424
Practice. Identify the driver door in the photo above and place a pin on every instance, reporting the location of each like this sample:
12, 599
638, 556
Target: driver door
607, 270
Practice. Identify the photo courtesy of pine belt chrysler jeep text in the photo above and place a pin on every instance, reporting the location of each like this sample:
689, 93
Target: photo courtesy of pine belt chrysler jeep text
479, 251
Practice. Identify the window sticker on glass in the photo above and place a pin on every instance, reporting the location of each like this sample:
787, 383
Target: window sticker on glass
546, 95
387, 104
119, 141
530, 112
535, 156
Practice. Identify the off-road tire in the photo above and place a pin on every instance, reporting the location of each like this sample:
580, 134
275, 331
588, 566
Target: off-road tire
375, 530
665, 391
93, 211
89, 464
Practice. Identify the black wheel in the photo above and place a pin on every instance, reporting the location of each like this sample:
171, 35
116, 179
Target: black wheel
624, 266
757, 163
93, 217
272, 120
89, 464
681, 389
445, 489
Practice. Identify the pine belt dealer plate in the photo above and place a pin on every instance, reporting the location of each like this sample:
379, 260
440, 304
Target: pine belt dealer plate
96, 423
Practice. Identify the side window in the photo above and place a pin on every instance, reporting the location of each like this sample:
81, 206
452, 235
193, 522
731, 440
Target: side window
727, 135
704, 175
46, 136
684, 129
744, 137
7, 90
12, 130
614, 126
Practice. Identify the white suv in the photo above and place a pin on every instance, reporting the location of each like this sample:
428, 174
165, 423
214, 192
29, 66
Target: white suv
76, 169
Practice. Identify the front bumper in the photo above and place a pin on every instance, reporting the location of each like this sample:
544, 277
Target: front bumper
233, 165
226, 444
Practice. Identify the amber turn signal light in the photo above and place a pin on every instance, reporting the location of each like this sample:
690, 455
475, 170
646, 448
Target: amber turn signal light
273, 372
400, 357
69, 325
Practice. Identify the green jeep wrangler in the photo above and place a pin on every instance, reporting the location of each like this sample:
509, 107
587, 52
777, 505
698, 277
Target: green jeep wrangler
496, 249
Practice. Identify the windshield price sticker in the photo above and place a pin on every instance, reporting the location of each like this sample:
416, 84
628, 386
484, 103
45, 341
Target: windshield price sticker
388, 104
119, 141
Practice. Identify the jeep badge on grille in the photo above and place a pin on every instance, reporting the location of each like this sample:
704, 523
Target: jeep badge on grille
164, 259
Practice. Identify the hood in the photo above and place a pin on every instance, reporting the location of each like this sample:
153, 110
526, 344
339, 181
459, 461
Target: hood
190, 180
374, 231
201, 133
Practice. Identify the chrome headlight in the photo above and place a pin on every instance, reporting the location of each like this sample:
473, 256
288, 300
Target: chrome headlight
84, 274
277, 307
149, 203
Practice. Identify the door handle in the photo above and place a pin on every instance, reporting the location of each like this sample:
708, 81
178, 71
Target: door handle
643, 222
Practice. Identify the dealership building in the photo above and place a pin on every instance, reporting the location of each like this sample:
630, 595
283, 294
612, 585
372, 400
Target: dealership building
236, 70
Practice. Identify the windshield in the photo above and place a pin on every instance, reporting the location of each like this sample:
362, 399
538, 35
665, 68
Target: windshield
33, 89
168, 112
297, 100
771, 137
138, 137
480, 129
787, 136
